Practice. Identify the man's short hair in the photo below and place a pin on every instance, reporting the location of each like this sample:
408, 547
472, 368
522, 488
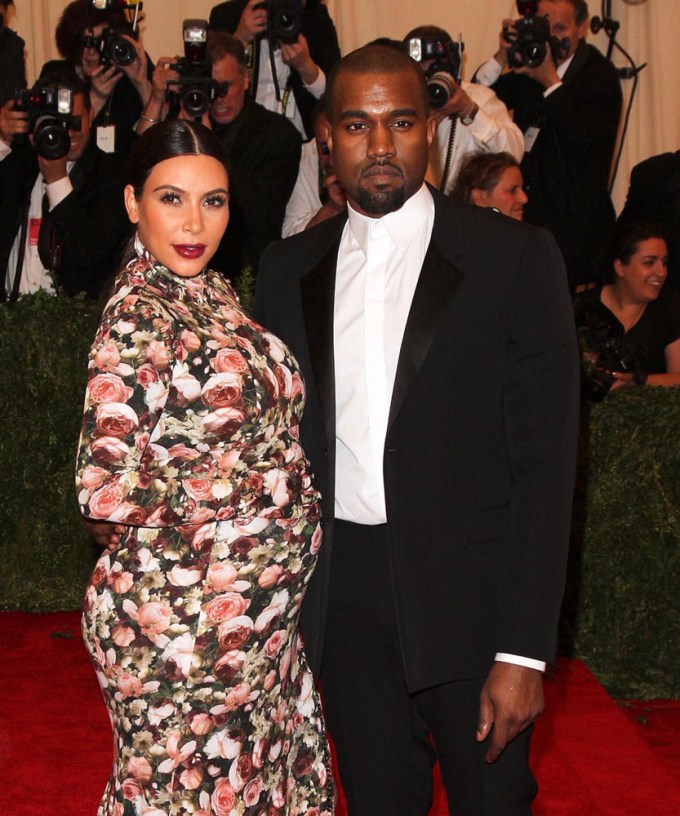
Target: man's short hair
221, 44
375, 59
581, 12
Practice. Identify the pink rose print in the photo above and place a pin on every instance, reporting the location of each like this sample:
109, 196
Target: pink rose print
229, 360
108, 388
116, 419
223, 797
107, 450
225, 607
105, 501
222, 390
107, 357
146, 375
158, 355
153, 618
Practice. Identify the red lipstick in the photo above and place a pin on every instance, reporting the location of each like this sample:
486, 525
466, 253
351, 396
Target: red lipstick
189, 251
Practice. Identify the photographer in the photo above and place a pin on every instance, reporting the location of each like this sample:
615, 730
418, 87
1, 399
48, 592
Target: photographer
12, 65
472, 120
300, 67
262, 147
118, 91
629, 328
568, 107
62, 220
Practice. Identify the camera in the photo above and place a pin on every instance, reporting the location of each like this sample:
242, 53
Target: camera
284, 20
112, 46
194, 90
612, 355
531, 38
447, 66
50, 117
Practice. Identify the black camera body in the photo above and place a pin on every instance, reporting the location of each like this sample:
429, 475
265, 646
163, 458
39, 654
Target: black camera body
447, 66
50, 117
113, 48
531, 38
284, 20
612, 355
194, 90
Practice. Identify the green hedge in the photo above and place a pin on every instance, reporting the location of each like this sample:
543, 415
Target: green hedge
622, 607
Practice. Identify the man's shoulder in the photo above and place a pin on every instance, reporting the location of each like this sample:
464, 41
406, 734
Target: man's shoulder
301, 252
270, 126
659, 165
596, 66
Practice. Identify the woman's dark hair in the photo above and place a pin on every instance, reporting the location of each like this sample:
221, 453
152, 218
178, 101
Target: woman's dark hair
480, 171
75, 20
168, 140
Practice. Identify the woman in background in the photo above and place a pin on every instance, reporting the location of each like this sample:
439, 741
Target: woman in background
189, 446
491, 180
628, 327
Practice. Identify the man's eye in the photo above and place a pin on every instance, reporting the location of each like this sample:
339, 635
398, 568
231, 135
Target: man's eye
354, 126
402, 124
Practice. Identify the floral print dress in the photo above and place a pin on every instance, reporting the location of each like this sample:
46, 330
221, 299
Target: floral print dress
190, 440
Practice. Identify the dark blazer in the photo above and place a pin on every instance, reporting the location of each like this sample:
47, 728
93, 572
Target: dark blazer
654, 197
81, 240
321, 37
12, 64
480, 446
566, 174
263, 152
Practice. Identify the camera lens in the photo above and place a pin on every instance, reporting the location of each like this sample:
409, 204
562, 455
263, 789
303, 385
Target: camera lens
196, 102
440, 89
533, 54
121, 51
50, 138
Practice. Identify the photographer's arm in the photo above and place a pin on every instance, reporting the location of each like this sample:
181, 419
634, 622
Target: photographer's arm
155, 108
253, 22
12, 123
138, 72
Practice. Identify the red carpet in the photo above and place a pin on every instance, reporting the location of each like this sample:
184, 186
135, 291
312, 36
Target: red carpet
591, 757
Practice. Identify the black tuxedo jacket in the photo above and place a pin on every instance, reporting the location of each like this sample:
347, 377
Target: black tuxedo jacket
566, 173
480, 447
81, 240
321, 36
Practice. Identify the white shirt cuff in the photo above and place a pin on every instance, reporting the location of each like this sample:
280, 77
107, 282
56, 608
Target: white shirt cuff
5, 150
488, 73
57, 191
318, 87
548, 91
518, 660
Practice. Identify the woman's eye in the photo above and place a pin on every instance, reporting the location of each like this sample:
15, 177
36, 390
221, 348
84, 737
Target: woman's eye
215, 202
170, 198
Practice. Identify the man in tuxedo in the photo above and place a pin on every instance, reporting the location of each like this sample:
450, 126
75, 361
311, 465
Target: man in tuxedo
440, 361
62, 220
568, 108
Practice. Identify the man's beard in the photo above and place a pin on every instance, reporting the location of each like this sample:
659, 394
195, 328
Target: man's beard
381, 202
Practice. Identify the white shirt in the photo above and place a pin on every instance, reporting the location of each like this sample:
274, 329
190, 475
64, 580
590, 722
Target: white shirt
304, 202
266, 92
491, 131
379, 263
34, 276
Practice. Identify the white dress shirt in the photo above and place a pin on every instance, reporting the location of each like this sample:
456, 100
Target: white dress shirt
304, 202
34, 276
266, 91
379, 263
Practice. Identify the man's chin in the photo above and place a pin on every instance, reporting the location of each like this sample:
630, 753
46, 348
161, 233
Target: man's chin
380, 201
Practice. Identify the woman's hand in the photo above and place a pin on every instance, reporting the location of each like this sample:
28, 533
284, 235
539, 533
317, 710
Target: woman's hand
622, 379
105, 533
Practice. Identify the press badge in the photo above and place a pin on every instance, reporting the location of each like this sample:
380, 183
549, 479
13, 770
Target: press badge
34, 231
106, 138
530, 136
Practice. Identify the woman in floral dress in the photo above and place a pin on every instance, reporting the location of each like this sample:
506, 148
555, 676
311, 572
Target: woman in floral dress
190, 442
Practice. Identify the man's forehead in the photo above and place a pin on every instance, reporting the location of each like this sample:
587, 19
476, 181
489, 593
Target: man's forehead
395, 90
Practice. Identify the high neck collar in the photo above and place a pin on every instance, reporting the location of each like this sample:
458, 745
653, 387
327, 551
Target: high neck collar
193, 289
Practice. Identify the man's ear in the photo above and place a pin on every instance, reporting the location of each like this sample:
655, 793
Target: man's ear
131, 204
431, 128
327, 133
478, 196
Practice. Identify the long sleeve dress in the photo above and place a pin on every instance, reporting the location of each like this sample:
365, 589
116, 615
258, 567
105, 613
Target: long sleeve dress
190, 439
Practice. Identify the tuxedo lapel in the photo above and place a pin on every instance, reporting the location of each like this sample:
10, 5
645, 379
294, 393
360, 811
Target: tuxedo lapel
436, 286
318, 298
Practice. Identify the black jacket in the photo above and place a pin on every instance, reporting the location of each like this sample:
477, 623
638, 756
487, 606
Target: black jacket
82, 238
480, 447
12, 65
263, 151
321, 36
566, 174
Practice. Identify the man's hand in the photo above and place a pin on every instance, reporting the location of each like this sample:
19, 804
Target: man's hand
252, 22
103, 81
136, 71
12, 122
297, 56
52, 169
162, 74
459, 104
107, 535
501, 56
511, 699
545, 73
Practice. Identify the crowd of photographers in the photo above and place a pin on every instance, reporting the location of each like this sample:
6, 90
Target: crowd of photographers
532, 135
